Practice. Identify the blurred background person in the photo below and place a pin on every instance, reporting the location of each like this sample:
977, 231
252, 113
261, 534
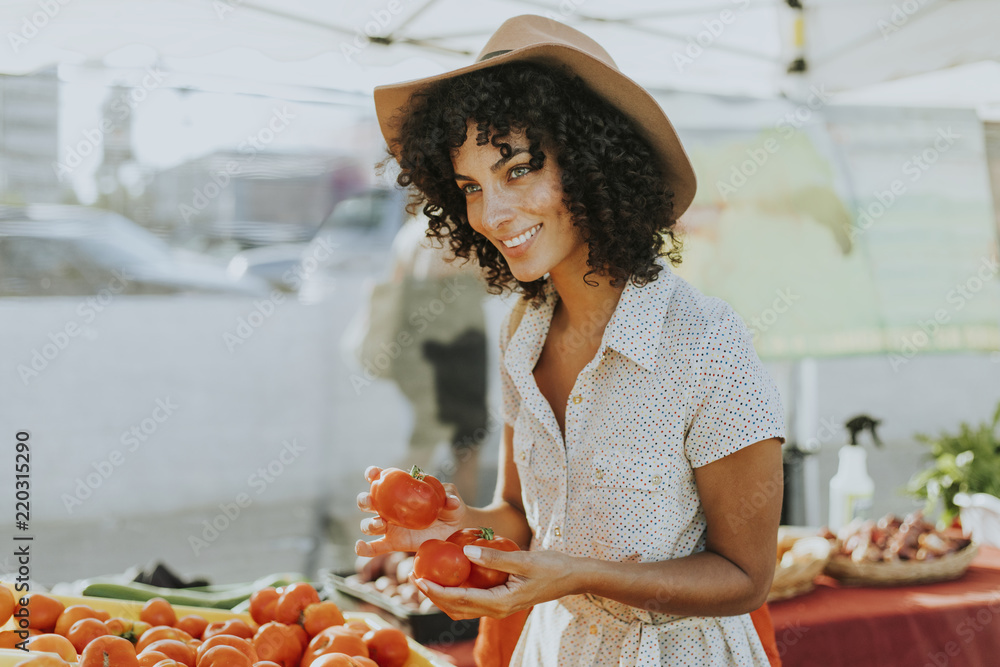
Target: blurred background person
427, 327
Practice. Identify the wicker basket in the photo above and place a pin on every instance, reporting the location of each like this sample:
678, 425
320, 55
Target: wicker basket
794, 575
900, 573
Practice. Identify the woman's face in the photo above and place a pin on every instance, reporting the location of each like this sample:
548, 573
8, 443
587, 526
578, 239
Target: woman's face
517, 208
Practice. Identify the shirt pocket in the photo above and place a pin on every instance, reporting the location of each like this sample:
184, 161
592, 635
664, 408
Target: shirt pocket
632, 472
632, 498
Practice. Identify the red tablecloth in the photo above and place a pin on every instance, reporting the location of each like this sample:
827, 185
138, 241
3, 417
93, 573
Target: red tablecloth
953, 624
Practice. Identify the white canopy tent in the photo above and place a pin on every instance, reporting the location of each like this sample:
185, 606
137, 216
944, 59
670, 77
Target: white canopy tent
728, 46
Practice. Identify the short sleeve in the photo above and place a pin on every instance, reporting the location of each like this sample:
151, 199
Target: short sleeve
732, 402
510, 398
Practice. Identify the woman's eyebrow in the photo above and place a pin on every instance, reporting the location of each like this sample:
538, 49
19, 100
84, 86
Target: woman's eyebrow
499, 163
504, 160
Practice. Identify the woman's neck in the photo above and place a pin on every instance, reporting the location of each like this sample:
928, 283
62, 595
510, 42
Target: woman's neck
586, 308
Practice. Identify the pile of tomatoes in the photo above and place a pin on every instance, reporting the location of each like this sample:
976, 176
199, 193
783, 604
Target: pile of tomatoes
413, 500
291, 627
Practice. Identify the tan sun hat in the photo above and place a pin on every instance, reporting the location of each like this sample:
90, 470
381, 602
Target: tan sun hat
543, 40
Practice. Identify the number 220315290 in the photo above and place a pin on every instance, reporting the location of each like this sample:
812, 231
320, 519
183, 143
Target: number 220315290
22, 480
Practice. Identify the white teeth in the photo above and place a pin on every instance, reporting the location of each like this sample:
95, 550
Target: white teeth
518, 240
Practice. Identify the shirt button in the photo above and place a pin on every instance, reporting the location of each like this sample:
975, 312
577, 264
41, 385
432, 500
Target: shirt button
599, 474
656, 479
524, 456
557, 532
577, 399
593, 629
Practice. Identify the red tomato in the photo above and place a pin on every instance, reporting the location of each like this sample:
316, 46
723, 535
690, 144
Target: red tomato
245, 646
335, 639
483, 577
387, 647
223, 656
335, 660
293, 601
441, 562
408, 499
108, 650
234, 626
262, 604
279, 643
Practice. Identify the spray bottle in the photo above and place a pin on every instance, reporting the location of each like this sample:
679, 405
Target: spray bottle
852, 489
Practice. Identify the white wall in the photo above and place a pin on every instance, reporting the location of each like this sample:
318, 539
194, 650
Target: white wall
234, 408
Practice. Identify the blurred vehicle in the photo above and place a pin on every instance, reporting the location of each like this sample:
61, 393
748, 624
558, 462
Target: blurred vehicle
252, 234
354, 241
353, 244
49, 250
276, 264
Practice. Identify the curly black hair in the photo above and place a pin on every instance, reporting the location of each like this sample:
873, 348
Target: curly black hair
614, 187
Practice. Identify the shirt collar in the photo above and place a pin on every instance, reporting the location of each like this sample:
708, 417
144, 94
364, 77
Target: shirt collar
636, 328
634, 331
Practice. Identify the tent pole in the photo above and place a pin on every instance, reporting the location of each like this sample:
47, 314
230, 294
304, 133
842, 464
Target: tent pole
807, 417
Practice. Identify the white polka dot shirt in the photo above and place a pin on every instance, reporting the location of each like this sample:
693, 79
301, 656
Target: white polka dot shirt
675, 385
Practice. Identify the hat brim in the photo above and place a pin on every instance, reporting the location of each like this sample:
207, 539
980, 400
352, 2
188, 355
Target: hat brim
619, 90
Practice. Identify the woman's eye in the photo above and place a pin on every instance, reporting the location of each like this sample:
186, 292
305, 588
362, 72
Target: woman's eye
518, 172
470, 188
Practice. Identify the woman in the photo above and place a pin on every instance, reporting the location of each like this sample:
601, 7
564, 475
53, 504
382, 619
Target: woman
640, 459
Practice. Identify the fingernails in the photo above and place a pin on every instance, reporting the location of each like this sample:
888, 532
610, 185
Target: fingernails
472, 552
361, 498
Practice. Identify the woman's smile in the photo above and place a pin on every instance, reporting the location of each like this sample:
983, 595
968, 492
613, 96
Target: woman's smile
518, 245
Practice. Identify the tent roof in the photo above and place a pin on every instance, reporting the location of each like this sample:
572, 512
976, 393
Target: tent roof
976, 86
730, 46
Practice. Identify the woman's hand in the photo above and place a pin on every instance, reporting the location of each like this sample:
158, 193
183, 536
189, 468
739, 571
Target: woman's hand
535, 577
394, 538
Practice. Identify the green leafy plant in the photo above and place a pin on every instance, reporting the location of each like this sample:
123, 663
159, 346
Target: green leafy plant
967, 462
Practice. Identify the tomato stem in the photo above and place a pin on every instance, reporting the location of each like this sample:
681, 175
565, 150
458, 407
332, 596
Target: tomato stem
486, 533
417, 473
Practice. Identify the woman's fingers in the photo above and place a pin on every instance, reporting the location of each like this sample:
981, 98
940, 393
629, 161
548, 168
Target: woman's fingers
373, 548
512, 562
365, 501
462, 603
372, 473
534, 577
448, 600
374, 526
453, 509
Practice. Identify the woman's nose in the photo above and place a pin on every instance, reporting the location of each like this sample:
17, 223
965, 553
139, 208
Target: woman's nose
498, 209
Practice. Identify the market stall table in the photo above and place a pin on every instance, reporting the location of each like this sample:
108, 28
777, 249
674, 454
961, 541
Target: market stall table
954, 623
